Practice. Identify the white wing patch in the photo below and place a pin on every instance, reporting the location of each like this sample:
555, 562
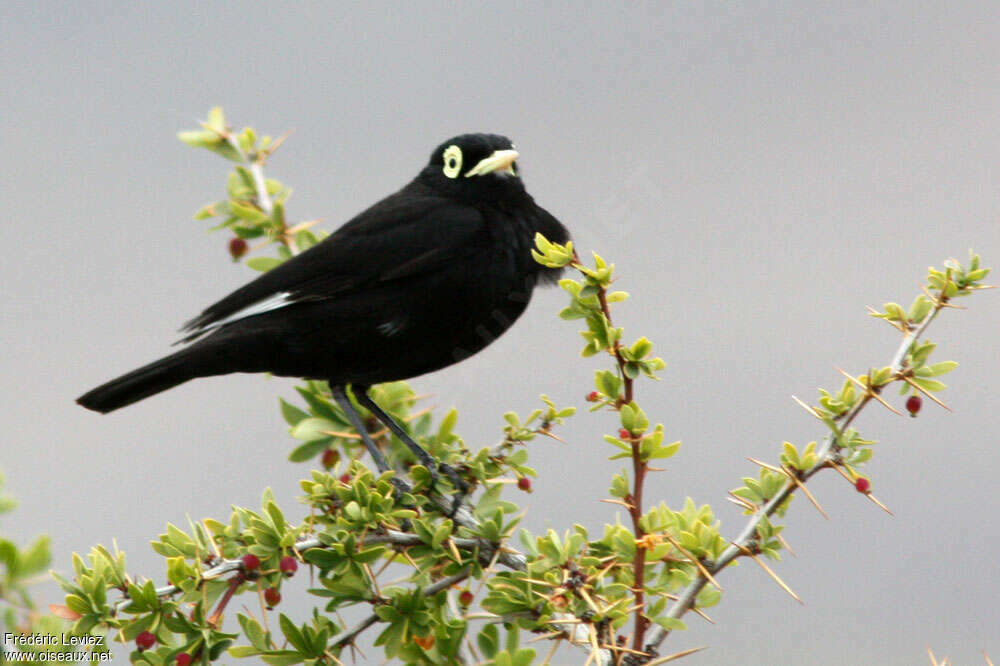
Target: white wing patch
391, 327
274, 302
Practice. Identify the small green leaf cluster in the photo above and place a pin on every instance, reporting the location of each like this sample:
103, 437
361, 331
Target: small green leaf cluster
756, 492
254, 206
539, 421
920, 373
348, 527
301, 643
488, 642
571, 576
19, 570
552, 255
196, 563
563, 578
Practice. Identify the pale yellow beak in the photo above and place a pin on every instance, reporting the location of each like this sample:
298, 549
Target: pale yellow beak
500, 161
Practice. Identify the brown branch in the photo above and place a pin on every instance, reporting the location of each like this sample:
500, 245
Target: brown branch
639, 469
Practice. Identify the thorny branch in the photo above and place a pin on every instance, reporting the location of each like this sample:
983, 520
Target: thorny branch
828, 456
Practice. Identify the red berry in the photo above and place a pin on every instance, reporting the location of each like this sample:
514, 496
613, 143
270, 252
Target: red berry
593, 396
288, 565
183, 659
624, 434
913, 404
330, 458
862, 485
524, 483
466, 597
272, 597
145, 640
237, 248
250, 562
345, 478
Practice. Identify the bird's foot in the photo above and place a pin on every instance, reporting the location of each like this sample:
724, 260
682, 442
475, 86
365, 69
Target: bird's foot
401, 486
461, 487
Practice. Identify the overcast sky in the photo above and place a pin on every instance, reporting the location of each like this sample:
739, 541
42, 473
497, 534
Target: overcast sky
758, 173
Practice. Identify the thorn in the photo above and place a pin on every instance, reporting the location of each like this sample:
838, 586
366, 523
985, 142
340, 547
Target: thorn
702, 613
927, 393
548, 658
764, 464
701, 567
875, 313
870, 391
811, 410
301, 226
554, 436
349, 435
739, 501
841, 471
877, 397
618, 502
277, 142
797, 481
595, 648
881, 506
938, 303
676, 655
853, 379
770, 573
785, 544
622, 648
590, 602
558, 620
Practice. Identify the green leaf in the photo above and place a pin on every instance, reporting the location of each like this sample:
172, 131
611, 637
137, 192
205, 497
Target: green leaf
292, 414
670, 623
941, 368
309, 450
313, 428
930, 385
253, 631
488, 641
250, 214
282, 658
264, 264
293, 634
216, 119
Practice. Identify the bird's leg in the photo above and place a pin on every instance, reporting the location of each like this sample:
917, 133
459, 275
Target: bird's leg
425, 458
340, 397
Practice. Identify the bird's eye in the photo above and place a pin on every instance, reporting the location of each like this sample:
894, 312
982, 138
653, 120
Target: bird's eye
452, 161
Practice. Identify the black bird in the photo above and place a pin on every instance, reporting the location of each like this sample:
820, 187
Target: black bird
421, 280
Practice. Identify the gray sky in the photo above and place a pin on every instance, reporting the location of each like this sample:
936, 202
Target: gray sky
759, 174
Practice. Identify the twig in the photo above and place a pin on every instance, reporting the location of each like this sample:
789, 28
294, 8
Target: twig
825, 458
432, 589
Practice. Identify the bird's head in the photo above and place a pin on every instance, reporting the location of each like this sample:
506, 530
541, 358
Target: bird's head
475, 167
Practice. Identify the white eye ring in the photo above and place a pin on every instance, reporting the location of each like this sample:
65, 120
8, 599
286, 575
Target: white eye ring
452, 161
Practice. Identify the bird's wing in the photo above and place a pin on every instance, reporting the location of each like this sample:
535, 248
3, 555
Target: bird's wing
404, 235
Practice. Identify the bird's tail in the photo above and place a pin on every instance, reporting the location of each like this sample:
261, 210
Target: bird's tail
148, 380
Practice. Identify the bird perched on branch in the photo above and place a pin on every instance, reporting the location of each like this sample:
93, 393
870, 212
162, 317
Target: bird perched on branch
421, 280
